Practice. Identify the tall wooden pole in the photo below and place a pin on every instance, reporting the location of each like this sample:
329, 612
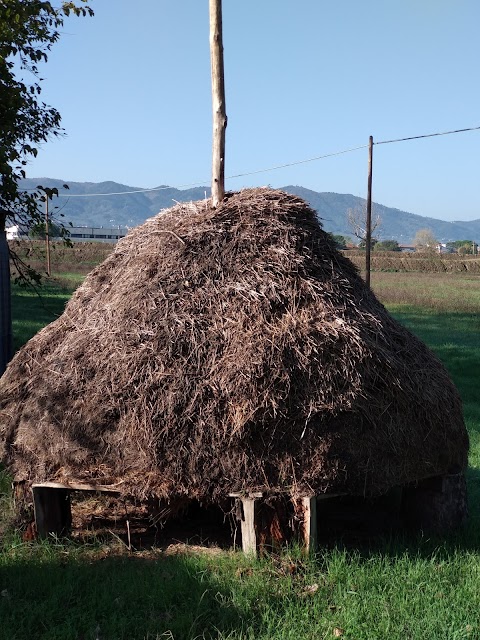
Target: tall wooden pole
218, 102
368, 239
47, 235
6, 338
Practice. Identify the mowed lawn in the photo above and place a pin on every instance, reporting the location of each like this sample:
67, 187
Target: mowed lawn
420, 587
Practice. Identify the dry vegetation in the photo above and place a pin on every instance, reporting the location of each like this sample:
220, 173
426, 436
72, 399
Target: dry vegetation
79, 258
229, 350
420, 588
447, 292
419, 262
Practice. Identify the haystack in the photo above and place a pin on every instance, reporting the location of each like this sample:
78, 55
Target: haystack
229, 350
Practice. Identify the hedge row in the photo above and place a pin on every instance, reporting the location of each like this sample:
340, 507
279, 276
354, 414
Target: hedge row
422, 262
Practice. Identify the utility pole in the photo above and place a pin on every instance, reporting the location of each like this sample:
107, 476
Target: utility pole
369, 213
218, 102
47, 235
6, 336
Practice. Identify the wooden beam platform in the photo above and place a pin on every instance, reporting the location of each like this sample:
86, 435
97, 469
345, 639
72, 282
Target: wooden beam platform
77, 486
52, 506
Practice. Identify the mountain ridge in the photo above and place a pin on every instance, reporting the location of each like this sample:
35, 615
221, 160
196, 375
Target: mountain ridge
135, 205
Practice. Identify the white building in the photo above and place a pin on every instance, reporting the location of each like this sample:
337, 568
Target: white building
12, 233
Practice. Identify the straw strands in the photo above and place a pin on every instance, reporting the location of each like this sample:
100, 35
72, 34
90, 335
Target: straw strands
229, 349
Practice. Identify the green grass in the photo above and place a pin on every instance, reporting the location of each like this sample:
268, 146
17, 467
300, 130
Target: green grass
51, 591
31, 311
455, 339
402, 588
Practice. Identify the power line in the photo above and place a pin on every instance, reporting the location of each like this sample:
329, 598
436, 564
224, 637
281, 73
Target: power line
274, 168
428, 135
196, 184
123, 193
293, 164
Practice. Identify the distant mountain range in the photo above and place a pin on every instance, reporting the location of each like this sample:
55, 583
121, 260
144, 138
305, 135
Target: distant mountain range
131, 209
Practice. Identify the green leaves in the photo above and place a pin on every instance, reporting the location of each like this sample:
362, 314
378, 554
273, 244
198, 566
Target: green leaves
68, 7
387, 245
28, 30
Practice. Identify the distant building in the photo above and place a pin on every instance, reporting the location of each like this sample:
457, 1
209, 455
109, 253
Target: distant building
407, 248
12, 233
442, 248
97, 234
94, 234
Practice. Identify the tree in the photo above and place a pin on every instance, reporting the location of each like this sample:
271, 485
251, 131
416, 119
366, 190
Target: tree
38, 231
464, 249
463, 246
340, 241
357, 221
28, 30
424, 240
363, 244
387, 245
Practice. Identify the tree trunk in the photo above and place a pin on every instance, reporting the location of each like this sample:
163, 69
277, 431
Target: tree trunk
218, 102
6, 341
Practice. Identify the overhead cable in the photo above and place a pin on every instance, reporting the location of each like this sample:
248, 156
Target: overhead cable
428, 135
274, 168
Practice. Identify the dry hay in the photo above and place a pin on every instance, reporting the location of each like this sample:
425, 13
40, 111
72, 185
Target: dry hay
229, 350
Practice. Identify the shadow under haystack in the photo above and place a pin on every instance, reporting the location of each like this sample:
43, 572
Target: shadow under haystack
229, 351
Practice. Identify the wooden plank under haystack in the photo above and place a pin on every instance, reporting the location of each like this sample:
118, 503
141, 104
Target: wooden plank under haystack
229, 350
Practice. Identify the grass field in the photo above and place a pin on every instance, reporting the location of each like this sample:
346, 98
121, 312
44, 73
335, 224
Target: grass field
397, 588
31, 311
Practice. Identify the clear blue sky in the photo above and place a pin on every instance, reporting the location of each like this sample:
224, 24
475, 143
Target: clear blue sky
303, 78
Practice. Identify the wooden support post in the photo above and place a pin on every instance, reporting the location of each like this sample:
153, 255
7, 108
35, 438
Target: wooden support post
309, 525
52, 511
248, 507
249, 533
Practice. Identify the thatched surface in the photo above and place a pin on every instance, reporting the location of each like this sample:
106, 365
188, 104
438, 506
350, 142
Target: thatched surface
229, 350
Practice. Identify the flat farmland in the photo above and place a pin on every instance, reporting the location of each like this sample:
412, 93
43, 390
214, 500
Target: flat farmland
444, 292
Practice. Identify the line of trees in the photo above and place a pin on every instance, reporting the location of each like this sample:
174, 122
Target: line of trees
463, 246
425, 240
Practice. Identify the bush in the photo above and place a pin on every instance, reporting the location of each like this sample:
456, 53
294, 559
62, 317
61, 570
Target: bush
387, 245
